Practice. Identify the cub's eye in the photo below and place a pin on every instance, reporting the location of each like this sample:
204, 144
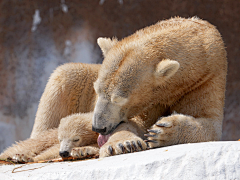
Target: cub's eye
75, 140
60, 140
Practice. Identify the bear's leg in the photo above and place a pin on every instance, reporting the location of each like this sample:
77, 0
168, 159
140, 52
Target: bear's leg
68, 91
77, 152
127, 138
25, 151
22, 158
50, 153
82, 152
198, 119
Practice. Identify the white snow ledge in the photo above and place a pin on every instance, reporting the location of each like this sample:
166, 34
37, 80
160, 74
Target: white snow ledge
211, 160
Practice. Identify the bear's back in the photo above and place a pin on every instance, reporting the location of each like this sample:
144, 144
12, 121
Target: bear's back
191, 42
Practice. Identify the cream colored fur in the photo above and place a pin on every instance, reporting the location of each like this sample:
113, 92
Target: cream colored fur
128, 135
46, 145
68, 91
169, 78
178, 65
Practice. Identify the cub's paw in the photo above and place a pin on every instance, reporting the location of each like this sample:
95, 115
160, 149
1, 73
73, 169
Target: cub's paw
164, 133
22, 158
82, 152
122, 147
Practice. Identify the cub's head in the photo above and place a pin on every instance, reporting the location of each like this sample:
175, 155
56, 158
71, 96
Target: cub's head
75, 131
126, 82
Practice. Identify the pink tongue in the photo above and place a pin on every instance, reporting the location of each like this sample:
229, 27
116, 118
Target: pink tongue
102, 139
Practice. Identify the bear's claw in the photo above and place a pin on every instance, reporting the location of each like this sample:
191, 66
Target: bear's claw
125, 147
122, 147
163, 124
139, 144
153, 131
82, 152
152, 141
150, 135
22, 158
135, 146
129, 147
110, 149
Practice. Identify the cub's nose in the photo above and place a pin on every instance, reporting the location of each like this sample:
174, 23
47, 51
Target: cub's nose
101, 131
64, 154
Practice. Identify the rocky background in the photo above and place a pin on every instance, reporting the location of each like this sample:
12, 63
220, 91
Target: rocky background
37, 36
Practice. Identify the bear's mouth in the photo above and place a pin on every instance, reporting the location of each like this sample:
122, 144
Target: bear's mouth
102, 139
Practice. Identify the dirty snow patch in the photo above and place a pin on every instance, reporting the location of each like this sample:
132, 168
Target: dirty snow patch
101, 2
120, 2
64, 6
36, 20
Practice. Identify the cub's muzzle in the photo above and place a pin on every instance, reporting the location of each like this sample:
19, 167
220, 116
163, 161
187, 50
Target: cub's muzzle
64, 154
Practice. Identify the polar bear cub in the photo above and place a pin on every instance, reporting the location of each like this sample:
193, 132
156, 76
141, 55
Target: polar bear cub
74, 137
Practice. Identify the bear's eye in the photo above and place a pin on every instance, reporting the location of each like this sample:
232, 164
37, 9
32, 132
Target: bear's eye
75, 140
116, 99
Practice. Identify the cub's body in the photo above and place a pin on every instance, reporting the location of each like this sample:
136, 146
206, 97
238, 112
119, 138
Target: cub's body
74, 137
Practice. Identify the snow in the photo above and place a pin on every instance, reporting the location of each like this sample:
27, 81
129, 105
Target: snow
64, 6
211, 160
36, 20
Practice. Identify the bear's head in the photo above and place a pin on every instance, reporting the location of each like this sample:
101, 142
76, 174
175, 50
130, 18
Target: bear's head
75, 131
127, 82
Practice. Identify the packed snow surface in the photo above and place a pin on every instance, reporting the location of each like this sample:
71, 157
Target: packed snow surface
211, 160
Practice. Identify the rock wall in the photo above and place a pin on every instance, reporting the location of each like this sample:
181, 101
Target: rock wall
37, 36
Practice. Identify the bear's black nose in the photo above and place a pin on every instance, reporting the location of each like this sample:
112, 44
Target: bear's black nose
64, 154
101, 131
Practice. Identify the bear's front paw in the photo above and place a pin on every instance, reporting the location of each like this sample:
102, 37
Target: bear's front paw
22, 158
82, 152
122, 147
163, 133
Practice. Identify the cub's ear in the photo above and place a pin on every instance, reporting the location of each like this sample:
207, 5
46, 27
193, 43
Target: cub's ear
106, 44
166, 68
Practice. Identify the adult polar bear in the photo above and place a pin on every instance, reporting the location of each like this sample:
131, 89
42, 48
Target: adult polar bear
169, 78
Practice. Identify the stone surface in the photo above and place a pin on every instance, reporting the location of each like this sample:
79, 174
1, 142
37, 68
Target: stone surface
36, 37
211, 160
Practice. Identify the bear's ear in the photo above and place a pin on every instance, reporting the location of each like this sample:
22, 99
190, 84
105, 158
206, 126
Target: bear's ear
166, 68
106, 44
119, 100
